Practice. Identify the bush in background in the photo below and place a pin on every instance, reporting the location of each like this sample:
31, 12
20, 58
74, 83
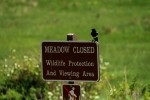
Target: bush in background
22, 78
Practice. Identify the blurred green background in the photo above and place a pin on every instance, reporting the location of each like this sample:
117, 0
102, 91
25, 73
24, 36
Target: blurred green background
123, 27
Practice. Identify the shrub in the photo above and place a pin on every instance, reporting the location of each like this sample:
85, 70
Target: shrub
22, 78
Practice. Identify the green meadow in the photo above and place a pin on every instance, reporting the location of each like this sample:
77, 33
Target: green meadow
123, 27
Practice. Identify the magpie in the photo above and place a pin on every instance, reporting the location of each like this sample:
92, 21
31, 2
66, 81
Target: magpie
94, 35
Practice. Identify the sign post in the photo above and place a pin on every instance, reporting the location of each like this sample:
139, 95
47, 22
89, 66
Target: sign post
71, 61
71, 37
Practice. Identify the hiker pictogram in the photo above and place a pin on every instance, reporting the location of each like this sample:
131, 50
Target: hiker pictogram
71, 92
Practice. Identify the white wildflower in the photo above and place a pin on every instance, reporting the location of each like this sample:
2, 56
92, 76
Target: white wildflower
96, 97
13, 57
50, 93
48, 83
8, 75
5, 60
37, 66
36, 73
25, 57
30, 59
12, 71
6, 66
61, 97
114, 89
14, 50
18, 66
83, 95
106, 63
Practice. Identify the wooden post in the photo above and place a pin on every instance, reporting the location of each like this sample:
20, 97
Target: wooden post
71, 37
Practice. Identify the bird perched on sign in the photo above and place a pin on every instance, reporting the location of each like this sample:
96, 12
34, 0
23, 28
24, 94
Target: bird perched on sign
94, 35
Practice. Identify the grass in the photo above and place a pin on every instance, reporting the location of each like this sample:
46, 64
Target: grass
124, 28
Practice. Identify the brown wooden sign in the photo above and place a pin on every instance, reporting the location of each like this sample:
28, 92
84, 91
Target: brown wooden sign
65, 61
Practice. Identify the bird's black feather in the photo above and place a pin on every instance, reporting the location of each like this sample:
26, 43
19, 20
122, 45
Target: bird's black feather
94, 33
